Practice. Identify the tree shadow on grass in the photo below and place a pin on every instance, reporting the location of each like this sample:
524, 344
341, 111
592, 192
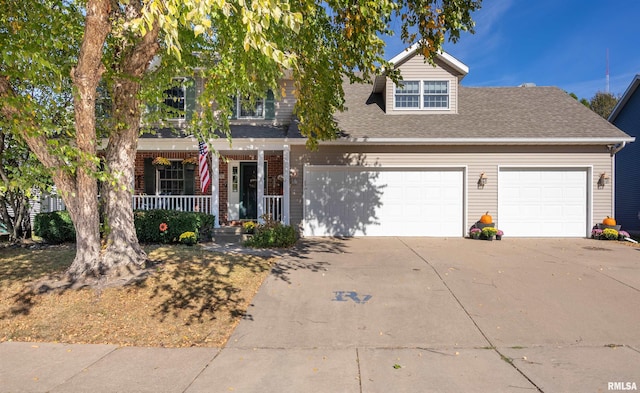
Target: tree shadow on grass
197, 292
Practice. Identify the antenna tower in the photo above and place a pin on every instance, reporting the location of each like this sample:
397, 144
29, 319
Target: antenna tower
607, 86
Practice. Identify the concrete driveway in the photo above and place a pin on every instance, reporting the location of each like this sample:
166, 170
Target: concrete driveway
445, 315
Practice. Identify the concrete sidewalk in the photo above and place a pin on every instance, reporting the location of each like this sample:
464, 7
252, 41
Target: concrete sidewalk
393, 315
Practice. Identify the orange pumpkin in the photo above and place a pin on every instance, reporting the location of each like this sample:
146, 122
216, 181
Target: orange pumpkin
610, 221
486, 218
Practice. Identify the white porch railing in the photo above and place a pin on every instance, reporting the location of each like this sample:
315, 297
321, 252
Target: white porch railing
187, 203
51, 203
273, 206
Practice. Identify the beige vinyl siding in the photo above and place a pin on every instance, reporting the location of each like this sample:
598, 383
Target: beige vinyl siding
476, 159
416, 69
285, 101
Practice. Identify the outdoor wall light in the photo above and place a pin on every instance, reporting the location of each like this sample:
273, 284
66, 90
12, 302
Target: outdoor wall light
603, 180
482, 181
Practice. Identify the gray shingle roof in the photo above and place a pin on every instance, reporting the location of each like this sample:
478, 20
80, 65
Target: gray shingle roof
496, 112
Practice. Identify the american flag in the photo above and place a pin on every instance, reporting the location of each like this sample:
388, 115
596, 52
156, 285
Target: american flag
205, 180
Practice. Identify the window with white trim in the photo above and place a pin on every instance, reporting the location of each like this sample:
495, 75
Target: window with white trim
435, 94
408, 94
422, 94
249, 108
171, 179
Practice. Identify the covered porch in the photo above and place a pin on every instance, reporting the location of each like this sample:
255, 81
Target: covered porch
250, 180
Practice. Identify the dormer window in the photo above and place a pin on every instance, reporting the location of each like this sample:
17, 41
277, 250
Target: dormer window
422, 94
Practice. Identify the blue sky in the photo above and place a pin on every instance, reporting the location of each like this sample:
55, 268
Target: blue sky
550, 43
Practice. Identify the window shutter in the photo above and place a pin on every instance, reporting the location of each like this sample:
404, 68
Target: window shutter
149, 177
189, 98
189, 182
234, 108
269, 106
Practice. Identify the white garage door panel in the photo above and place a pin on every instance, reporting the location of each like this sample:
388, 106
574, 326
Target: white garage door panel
356, 201
543, 203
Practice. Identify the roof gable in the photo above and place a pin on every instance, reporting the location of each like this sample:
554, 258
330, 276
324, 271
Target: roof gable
412, 51
453, 65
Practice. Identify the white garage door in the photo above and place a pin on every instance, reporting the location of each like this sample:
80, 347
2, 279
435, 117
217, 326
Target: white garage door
358, 201
543, 202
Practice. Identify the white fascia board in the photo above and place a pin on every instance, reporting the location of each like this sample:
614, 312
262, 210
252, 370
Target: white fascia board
483, 141
404, 54
455, 63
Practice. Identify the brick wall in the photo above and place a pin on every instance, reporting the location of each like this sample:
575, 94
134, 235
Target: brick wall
139, 172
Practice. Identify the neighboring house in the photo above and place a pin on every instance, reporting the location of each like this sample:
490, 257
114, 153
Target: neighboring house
626, 116
426, 158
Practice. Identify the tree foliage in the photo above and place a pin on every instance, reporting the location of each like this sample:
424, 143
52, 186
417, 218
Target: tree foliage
603, 103
104, 48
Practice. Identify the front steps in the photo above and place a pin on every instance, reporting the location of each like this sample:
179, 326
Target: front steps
228, 235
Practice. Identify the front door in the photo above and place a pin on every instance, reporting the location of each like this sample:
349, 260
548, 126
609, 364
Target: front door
248, 190
243, 190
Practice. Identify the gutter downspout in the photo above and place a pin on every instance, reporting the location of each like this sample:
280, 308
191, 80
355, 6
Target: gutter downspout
612, 151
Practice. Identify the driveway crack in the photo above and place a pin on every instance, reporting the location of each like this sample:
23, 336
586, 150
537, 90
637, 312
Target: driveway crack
491, 345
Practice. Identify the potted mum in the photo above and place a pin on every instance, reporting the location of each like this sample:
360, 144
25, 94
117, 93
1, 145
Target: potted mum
488, 233
188, 238
161, 162
190, 163
474, 233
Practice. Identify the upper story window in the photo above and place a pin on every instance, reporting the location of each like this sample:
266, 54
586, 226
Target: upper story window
247, 108
408, 94
175, 100
424, 94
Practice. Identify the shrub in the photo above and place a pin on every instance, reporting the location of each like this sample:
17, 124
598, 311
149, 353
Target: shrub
272, 235
55, 227
188, 238
148, 224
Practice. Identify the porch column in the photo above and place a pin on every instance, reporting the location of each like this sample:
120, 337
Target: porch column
286, 166
215, 190
260, 168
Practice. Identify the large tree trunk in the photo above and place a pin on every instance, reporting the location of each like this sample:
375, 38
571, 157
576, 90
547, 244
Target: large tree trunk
123, 250
84, 204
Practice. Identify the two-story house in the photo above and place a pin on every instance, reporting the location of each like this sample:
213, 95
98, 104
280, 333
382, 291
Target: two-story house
426, 157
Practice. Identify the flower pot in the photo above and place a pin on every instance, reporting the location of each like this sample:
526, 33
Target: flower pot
498, 237
603, 227
190, 167
481, 225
